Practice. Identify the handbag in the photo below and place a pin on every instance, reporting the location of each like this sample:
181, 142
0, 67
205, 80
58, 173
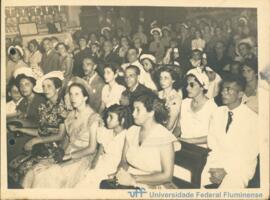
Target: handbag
112, 184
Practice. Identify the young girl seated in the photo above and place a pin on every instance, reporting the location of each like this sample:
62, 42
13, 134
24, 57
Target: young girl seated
111, 140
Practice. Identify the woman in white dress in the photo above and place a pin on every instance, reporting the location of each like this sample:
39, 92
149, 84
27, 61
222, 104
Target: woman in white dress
67, 166
111, 142
111, 92
196, 110
148, 158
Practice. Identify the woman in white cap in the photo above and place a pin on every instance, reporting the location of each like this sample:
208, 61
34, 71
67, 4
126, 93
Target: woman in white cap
196, 110
78, 149
156, 46
106, 32
15, 60
170, 91
148, 62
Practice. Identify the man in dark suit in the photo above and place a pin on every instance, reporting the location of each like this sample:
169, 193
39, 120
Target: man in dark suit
95, 82
109, 54
79, 57
134, 88
50, 58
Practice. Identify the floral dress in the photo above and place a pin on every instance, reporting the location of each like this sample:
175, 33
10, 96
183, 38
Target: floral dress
51, 116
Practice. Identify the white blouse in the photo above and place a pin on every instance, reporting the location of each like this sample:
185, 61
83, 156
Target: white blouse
113, 95
196, 124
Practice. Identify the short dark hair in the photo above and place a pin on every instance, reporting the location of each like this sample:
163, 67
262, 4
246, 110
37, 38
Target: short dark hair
251, 63
34, 42
135, 68
44, 39
112, 65
153, 103
93, 58
57, 82
61, 43
23, 76
235, 78
132, 47
124, 115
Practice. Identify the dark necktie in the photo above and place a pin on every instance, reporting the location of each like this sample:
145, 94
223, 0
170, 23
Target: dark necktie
230, 114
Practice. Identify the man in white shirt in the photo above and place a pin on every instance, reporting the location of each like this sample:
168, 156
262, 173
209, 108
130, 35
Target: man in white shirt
233, 140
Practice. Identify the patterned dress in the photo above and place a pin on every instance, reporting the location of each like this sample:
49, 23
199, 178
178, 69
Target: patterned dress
51, 116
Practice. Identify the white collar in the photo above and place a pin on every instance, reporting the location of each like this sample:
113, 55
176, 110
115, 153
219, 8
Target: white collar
135, 87
92, 78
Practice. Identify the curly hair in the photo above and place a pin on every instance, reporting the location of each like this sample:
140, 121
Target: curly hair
153, 103
124, 114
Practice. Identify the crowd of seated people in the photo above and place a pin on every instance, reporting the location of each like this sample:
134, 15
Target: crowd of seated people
112, 111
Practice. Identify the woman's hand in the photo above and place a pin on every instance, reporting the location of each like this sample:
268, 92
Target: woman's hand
58, 155
28, 145
13, 128
124, 178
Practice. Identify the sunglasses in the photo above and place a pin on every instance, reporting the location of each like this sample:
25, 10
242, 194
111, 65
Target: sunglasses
192, 85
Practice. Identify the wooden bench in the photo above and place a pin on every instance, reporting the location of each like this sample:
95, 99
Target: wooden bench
193, 159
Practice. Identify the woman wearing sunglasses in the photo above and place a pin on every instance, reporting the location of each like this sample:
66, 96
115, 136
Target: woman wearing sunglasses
196, 110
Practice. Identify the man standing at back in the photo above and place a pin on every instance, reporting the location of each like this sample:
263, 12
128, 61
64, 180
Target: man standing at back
50, 58
95, 82
233, 140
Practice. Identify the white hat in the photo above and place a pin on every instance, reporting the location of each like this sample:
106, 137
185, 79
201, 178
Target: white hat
105, 28
202, 77
166, 28
27, 71
148, 56
185, 25
156, 29
153, 23
17, 47
207, 68
54, 74
243, 19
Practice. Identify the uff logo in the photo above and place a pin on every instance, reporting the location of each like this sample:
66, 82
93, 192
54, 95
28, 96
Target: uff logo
137, 193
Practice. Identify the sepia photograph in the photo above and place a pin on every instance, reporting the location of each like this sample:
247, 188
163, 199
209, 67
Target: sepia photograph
124, 100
